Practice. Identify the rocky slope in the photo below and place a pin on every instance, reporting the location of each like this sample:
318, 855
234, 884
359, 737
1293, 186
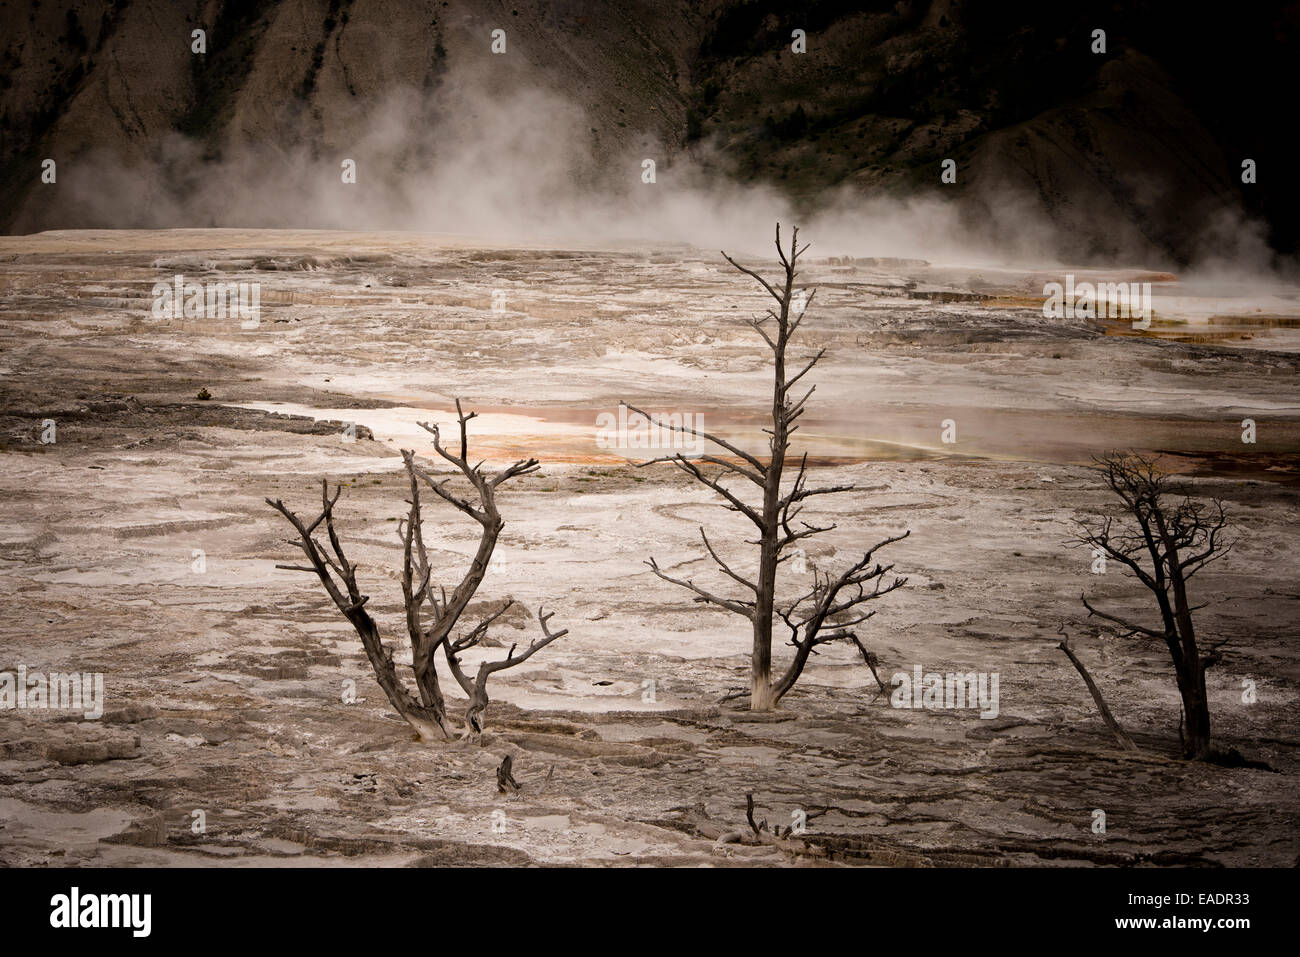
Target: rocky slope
1135, 152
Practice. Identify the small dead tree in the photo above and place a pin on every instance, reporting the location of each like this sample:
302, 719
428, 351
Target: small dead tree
432, 615
1163, 539
830, 606
1121, 736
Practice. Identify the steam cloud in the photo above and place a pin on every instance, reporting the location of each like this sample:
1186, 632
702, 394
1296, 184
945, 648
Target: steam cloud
519, 166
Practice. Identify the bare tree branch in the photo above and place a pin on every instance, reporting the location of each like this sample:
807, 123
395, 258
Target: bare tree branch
338, 576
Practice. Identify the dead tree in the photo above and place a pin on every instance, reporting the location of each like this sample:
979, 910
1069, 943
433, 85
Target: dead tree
830, 607
1163, 539
432, 615
1121, 736
506, 783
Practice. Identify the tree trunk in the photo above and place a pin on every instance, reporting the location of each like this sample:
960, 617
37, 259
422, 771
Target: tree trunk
1196, 714
761, 697
1191, 685
426, 721
426, 680
1116, 729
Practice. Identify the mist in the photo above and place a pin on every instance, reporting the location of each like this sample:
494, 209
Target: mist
524, 165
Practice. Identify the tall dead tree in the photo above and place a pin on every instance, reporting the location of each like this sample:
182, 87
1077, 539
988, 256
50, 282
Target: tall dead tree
1163, 539
432, 615
828, 608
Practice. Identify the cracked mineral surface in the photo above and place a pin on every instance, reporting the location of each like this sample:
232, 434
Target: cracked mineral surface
137, 545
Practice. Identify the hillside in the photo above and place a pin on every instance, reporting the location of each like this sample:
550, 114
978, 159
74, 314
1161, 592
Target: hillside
1133, 153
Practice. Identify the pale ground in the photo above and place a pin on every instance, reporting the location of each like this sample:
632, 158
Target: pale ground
224, 686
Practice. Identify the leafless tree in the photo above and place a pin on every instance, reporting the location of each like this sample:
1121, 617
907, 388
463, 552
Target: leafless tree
432, 615
831, 605
1121, 736
1163, 539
